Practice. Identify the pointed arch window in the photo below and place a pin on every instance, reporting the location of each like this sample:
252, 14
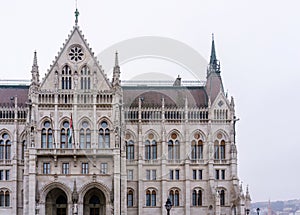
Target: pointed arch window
66, 135
197, 147
130, 198
47, 135
104, 135
174, 147
219, 147
85, 135
85, 79
5, 147
129, 143
197, 197
129, 149
150, 198
174, 197
222, 197
66, 78
4, 198
150, 148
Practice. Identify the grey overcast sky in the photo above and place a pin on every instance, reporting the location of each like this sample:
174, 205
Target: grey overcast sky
257, 43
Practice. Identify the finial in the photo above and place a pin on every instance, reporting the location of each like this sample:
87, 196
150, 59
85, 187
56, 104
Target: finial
212, 36
76, 15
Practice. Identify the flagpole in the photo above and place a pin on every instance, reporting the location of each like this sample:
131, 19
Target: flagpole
73, 132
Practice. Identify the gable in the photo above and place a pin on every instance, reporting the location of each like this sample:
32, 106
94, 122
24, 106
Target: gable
221, 107
74, 63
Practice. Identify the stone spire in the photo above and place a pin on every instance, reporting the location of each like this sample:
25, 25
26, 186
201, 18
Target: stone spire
116, 72
214, 65
214, 84
35, 72
248, 194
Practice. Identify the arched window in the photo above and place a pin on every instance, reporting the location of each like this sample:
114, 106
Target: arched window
219, 147
66, 78
85, 135
5, 147
129, 143
130, 198
47, 135
129, 150
174, 197
174, 147
222, 150
153, 198
197, 147
85, 80
66, 135
150, 198
7, 199
104, 135
4, 198
150, 148
197, 197
222, 197
194, 198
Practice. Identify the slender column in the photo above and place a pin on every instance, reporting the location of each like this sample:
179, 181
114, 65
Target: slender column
14, 157
32, 180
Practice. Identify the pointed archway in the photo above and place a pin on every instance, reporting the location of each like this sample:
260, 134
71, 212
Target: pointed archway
94, 202
56, 202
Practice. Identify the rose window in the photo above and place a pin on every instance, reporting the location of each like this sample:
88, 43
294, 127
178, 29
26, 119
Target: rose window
76, 53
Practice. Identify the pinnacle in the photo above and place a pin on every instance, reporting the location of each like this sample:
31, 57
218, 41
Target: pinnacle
35, 59
116, 59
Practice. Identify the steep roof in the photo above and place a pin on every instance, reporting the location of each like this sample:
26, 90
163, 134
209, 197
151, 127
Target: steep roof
174, 96
9, 91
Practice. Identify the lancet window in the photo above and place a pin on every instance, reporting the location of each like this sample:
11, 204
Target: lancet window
66, 78
66, 135
47, 135
129, 147
104, 135
197, 197
174, 147
85, 79
85, 135
150, 147
197, 146
219, 147
5, 147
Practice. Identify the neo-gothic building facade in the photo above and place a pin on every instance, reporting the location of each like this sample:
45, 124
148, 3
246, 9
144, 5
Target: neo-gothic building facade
77, 143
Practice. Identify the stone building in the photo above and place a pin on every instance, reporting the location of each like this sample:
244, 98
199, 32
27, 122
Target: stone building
78, 143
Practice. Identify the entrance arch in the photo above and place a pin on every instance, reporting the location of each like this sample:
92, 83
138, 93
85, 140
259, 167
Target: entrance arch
56, 202
94, 202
